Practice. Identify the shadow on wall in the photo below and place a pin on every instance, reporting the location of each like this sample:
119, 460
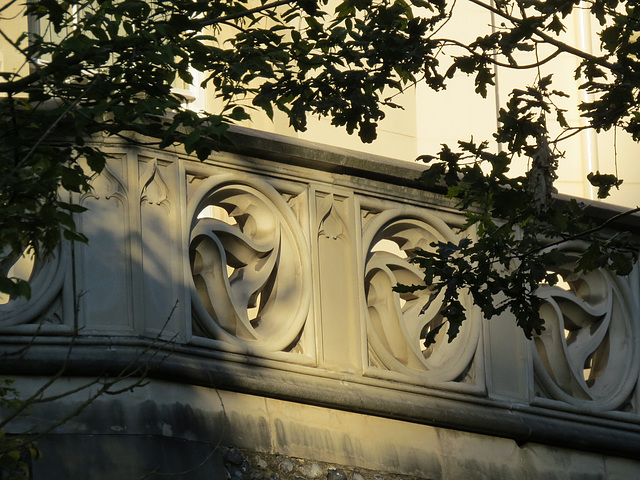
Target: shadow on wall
119, 311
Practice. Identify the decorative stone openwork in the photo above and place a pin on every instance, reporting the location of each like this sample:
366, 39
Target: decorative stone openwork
250, 264
46, 277
587, 355
398, 323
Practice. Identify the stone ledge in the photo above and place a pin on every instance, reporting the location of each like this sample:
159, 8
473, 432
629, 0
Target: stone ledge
465, 413
178, 429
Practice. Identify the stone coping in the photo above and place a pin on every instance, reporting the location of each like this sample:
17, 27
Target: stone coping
304, 153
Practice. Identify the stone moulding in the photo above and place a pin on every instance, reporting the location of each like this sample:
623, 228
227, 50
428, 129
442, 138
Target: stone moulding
521, 423
268, 270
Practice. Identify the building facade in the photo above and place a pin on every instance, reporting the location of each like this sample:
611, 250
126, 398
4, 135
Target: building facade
236, 318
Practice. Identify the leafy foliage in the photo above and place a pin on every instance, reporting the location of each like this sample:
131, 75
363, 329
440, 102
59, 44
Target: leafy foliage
519, 235
517, 239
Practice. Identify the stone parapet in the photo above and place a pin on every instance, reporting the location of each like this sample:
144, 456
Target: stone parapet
267, 271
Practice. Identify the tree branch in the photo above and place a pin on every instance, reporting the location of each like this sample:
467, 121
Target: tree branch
515, 66
213, 21
547, 38
595, 229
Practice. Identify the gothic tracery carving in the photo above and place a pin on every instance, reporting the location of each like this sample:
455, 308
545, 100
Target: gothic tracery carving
398, 323
108, 184
154, 189
588, 355
249, 263
45, 276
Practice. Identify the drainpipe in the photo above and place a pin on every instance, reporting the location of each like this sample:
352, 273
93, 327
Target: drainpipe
496, 87
589, 140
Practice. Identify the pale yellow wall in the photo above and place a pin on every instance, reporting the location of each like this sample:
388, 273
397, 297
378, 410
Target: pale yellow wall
458, 113
397, 132
13, 24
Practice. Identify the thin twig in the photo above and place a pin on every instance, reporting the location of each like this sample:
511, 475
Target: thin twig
581, 234
234, 16
547, 38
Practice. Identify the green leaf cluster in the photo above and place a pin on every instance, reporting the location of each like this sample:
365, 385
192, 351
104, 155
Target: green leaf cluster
519, 235
512, 245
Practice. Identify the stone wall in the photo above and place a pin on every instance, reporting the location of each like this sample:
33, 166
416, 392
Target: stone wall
247, 465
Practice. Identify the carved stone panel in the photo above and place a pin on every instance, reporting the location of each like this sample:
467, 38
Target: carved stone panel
398, 323
250, 265
103, 267
336, 270
587, 355
161, 255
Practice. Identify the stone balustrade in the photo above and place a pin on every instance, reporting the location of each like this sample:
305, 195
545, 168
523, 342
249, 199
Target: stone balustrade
268, 270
